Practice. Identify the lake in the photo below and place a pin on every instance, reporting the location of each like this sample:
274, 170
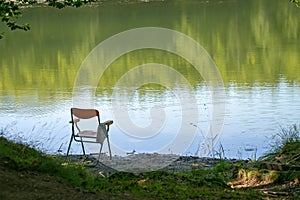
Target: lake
165, 95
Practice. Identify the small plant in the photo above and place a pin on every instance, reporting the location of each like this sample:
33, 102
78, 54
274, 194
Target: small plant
285, 136
220, 153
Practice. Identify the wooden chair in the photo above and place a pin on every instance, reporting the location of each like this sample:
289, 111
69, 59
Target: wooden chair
89, 136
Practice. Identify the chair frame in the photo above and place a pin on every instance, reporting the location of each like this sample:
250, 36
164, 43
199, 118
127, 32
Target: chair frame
86, 114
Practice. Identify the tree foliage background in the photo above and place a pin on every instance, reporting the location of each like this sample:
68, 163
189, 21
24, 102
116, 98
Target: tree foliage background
10, 10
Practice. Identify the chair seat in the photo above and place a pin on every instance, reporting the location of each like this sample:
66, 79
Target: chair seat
87, 134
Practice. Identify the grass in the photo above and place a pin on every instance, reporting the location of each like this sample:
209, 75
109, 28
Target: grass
204, 184
21, 166
20, 157
286, 153
285, 147
286, 136
278, 172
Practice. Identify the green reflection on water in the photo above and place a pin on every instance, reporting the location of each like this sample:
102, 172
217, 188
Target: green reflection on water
251, 42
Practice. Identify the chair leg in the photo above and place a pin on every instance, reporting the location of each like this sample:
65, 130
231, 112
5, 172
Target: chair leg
109, 147
82, 148
100, 151
69, 145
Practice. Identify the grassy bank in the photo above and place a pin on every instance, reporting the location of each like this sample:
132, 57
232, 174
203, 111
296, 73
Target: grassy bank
29, 174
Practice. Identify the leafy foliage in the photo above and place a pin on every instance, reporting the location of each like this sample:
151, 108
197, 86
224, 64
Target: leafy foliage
74, 3
10, 11
296, 2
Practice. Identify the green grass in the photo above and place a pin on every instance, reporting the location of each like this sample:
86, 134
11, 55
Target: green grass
286, 138
195, 184
285, 150
21, 157
285, 147
207, 184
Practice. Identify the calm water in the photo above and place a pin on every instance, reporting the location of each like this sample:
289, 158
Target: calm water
254, 44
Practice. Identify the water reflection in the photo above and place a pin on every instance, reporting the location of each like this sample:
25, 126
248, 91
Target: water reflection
255, 45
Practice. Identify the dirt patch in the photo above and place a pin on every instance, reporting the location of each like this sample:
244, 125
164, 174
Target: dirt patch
145, 162
139, 163
32, 185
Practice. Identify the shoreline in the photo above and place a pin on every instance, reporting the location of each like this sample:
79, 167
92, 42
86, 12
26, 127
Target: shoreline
141, 163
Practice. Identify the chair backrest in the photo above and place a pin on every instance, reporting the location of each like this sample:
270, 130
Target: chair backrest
84, 113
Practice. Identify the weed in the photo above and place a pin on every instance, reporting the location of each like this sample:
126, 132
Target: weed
285, 136
220, 153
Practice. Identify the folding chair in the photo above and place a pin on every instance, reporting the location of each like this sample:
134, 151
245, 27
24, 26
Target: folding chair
89, 136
